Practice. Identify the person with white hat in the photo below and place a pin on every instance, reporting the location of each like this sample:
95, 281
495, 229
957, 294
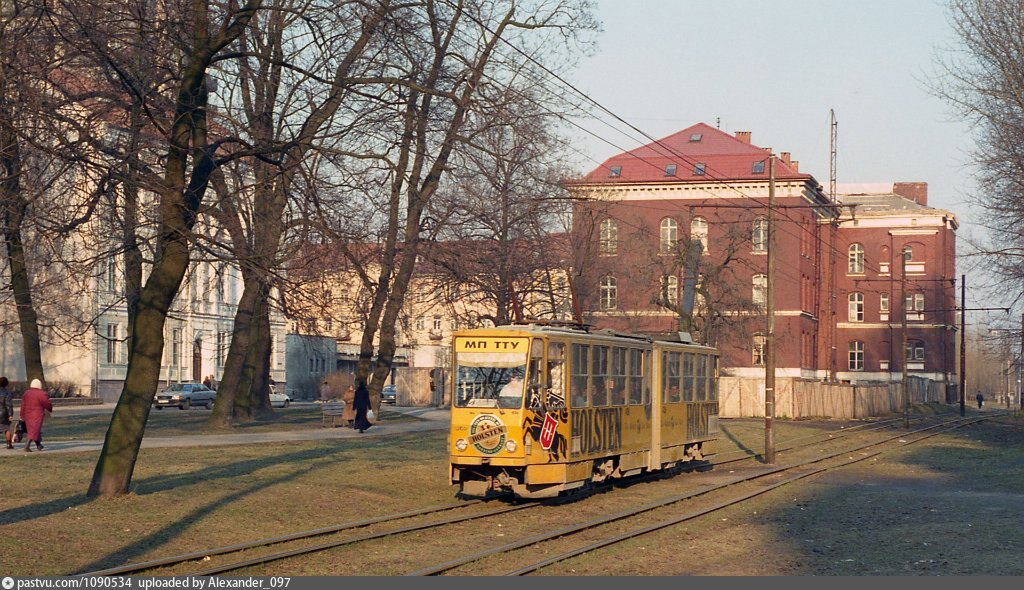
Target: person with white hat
35, 404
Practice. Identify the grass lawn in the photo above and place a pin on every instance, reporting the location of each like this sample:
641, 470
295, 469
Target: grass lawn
187, 499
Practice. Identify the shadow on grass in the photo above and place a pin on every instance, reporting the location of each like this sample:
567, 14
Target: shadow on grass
741, 447
177, 528
161, 483
950, 509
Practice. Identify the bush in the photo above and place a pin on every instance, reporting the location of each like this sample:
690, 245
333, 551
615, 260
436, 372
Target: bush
53, 389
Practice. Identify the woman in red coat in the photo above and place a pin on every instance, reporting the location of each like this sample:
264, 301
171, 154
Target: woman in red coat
34, 405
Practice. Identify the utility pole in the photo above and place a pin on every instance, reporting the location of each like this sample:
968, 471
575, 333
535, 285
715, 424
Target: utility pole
903, 292
1020, 394
769, 341
963, 345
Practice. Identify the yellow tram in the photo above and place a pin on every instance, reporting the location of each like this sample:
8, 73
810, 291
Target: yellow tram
538, 410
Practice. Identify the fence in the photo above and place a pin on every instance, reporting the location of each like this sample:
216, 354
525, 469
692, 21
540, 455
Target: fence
795, 398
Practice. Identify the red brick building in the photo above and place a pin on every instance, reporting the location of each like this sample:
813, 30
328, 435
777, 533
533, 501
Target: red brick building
641, 213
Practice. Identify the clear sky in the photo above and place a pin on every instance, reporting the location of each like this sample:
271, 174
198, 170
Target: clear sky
775, 69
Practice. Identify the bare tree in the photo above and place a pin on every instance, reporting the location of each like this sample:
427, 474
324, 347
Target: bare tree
187, 165
983, 80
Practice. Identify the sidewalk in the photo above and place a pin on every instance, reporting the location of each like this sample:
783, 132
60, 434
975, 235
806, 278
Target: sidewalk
430, 419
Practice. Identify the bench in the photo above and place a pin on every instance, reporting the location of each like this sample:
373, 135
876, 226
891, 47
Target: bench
331, 411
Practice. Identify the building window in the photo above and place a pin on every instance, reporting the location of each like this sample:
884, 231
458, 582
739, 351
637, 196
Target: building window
856, 309
669, 290
757, 347
698, 169
696, 137
760, 291
670, 170
699, 232
175, 347
223, 344
609, 237
437, 322
110, 277
758, 167
113, 335
669, 235
421, 324
856, 355
856, 260
609, 293
615, 171
883, 307
915, 306
915, 351
759, 237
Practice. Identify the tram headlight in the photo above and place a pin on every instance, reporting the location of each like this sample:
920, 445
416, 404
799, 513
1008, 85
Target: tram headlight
461, 445
510, 446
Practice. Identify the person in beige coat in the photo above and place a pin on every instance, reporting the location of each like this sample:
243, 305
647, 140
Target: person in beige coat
349, 413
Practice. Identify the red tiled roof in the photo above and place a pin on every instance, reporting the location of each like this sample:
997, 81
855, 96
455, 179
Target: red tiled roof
724, 156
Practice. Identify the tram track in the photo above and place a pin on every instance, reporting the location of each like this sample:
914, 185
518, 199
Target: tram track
208, 554
796, 475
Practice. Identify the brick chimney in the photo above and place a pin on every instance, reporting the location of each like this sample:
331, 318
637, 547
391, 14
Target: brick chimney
915, 191
784, 156
795, 164
743, 136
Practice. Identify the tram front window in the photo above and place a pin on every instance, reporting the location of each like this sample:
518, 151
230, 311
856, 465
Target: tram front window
490, 380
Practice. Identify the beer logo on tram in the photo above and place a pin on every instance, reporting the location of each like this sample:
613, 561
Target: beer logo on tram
547, 432
487, 434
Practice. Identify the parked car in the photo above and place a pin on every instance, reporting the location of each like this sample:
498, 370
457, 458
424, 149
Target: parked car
185, 395
279, 400
389, 394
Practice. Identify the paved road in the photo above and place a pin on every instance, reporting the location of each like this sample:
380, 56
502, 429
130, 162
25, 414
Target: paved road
431, 419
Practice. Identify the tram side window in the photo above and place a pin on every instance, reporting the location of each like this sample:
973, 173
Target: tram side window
556, 375
618, 377
688, 377
636, 377
578, 377
700, 382
599, 376
670, 377
713, 378
648, 376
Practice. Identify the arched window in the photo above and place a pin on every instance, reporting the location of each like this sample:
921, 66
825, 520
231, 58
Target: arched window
759, 237
915, 351
760, 290
669, 235
609, 293
856, 260
699, 231
609, 237
856, 307
669, 290
856, 356
757, 348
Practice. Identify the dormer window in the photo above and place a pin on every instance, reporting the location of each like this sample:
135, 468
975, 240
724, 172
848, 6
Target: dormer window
695, 137
670, 170
698, 169
758, 167
615, 172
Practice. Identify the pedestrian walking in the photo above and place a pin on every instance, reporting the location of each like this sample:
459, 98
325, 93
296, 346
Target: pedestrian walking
35, 405
349, 413
980, 398
6, 411
325, 392
362, 406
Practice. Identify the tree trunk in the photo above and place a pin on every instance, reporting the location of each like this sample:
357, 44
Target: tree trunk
13, 214
187, 173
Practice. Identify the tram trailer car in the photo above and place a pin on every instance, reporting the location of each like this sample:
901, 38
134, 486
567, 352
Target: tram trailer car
541, 410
